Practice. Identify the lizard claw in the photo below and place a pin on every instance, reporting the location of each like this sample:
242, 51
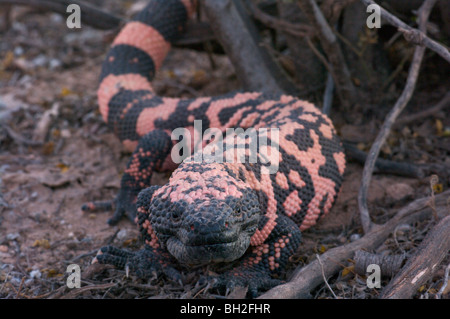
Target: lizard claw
254, 281
145, 263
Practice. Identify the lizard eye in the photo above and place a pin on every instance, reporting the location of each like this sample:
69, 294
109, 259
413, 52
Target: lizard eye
238, 211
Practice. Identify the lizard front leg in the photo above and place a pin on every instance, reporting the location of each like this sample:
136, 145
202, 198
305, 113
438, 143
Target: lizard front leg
259, 268
151, 152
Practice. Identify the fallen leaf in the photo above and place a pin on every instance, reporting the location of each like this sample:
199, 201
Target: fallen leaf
439, 127
322, 249
438, 188
52, 273
170, 74
129, 242
56, 133
361, 146
347, 270
63, 167
65, 92
446, 132
44, 243
356, 81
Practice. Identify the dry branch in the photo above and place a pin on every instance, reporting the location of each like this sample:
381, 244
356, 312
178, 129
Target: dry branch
238, 35
295, 29
43, 126
389, 265
420, 267
443, 103
402, 101
385, 166
411, 34
330, 44
305, 279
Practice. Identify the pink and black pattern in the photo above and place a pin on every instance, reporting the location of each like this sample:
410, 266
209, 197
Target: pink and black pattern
211, 212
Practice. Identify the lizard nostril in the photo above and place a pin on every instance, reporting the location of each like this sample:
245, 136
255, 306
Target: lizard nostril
176, 215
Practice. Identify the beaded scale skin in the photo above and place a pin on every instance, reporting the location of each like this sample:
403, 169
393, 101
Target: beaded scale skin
209, 212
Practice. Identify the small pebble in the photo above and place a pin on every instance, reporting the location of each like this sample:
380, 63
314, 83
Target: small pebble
54, 63
40, 60
18, 51
121, 235
35, 274
12, 236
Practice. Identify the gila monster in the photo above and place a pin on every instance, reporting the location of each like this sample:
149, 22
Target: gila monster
211, 212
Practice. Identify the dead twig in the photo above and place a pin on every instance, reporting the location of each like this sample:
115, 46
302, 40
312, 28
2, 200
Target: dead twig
328, 40
43, 126
401, 103
76, 258
19, 139
295, 29
420, 267
325, 278
398, 168
443, 103
434, 180
20, 287
304, 279
74, 293
319, 55
444, 284
411, 34
400, 67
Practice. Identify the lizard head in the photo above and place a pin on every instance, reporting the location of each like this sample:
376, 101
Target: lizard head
202, 215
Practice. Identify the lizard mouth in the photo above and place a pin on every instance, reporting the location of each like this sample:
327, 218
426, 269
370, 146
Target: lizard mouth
198, 253
196, 249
